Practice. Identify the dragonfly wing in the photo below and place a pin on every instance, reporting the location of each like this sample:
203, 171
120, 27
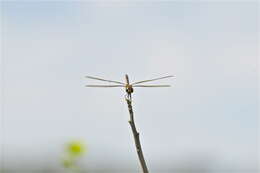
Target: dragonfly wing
151, 85
151, 80
105, 86
95, 78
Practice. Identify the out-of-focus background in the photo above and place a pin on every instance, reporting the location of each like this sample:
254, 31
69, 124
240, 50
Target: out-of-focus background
206, 122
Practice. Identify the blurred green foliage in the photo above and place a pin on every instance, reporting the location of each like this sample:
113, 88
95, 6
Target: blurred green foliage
74, 150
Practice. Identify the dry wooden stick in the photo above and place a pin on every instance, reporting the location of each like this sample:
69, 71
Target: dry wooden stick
136, 136
129, 90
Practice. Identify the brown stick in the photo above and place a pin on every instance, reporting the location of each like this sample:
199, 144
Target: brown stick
136, 136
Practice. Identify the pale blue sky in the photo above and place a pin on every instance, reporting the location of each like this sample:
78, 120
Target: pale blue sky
209, 114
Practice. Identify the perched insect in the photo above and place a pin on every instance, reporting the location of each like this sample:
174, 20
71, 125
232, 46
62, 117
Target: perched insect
128, 87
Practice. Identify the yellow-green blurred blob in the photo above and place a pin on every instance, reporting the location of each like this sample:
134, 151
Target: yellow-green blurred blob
67, 163
76, 148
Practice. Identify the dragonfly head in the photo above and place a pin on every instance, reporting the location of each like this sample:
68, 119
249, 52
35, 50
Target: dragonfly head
129, 89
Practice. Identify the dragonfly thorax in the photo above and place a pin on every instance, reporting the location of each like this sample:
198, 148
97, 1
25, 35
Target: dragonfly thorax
129, 89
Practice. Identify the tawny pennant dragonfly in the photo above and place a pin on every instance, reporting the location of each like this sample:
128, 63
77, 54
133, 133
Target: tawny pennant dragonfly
128, 86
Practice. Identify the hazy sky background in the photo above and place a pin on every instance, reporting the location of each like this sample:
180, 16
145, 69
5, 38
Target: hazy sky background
208, 118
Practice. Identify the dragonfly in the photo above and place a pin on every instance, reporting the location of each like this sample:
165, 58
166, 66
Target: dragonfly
129, 87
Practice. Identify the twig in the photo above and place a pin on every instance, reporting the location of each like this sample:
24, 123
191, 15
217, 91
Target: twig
136, 136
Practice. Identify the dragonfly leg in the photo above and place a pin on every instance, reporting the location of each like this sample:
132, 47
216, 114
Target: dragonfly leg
128, 97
